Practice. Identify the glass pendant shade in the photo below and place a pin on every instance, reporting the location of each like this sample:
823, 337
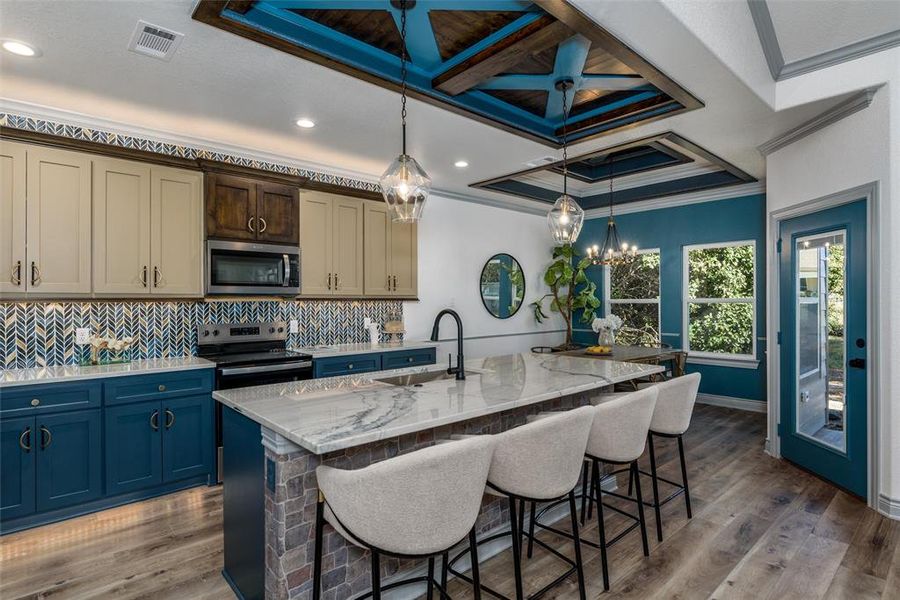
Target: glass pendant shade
565, 220
405, 187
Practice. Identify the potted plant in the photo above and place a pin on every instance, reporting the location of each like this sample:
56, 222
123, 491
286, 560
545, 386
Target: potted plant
564, 276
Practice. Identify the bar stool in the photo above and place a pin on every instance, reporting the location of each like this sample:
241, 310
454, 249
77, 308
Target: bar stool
399, 507
671, 419
618, 436
538, 462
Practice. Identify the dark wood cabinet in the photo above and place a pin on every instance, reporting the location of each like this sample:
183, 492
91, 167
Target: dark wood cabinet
243, 208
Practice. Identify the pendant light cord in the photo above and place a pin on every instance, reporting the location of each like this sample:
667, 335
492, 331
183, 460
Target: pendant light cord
610, 187
403, 71
565, 144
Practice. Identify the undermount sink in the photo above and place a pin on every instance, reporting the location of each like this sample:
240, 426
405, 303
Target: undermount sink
417, 379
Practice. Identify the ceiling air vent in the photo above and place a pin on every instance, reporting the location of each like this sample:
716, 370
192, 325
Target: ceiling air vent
544, 160
154, 41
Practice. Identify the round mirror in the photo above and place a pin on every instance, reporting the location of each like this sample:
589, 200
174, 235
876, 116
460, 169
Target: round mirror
502, 286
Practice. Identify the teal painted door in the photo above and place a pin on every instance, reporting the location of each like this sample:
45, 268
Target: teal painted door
823, 306
133, 447
17, 454
69, 459
187, 431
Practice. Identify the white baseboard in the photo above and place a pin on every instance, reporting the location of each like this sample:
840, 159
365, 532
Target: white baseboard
889, 507
731, 402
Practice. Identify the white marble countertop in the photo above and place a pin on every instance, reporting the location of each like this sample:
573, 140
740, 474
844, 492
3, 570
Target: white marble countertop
327, 350
11, 377
324, 415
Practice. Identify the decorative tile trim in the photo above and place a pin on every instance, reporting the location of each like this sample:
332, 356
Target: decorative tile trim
101, 136
39, 334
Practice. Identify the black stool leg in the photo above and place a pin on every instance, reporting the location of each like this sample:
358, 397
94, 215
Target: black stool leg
659, 535
630, 483
684, 479
594, 479
579, 567
584, 491
601, 526
317, 560
521, 523
445, 565
376, 575
473, 557
516, 549
531, 530
430, 591
640, 503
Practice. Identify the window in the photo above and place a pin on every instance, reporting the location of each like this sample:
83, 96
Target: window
633, 293
719, 308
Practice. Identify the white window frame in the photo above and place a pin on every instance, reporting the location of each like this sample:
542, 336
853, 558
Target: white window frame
607, 291
686, 301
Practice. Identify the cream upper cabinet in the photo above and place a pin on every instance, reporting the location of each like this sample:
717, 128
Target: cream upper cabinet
391, 256
58, 232
13, 269
176, 239
316, 274
347, 244
121, 238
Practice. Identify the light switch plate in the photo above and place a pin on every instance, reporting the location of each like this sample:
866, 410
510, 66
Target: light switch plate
294, 326
82, 336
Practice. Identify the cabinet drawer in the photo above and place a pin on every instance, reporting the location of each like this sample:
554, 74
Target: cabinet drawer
52, 397
408, 358
138, 388
347, 365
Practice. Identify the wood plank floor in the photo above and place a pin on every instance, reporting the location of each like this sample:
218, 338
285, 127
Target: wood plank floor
761, 529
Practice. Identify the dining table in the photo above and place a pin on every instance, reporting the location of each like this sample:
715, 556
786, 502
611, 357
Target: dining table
652, 355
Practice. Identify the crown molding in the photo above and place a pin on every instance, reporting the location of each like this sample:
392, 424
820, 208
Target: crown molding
736, 191
852, 105
765, 30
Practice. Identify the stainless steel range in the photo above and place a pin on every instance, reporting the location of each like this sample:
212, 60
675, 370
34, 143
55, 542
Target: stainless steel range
249, 354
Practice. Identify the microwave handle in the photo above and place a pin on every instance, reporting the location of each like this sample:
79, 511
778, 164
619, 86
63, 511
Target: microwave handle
287, 270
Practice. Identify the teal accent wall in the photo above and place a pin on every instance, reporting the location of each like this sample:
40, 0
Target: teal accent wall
670, 229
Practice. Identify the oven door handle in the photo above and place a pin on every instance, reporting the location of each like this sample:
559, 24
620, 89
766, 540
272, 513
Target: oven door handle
287, 270
305, 364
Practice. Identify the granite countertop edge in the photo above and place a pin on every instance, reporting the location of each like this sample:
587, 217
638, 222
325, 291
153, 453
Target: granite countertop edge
67, 373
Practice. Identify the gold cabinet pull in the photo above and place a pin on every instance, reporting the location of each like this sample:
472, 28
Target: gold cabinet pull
45, 444
16, 274
35, 402
264, 224
250, 225
170, 419
25, 440
35, 274
395, 283
329, 281
144, 276
337, 282
157, 276
389, 283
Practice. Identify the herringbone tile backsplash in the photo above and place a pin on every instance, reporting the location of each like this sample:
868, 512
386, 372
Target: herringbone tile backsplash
37, 334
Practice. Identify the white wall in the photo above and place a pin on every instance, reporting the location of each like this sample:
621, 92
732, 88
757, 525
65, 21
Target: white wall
858, 150
455, 240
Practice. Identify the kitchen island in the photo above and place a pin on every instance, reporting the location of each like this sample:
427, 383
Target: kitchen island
275, 436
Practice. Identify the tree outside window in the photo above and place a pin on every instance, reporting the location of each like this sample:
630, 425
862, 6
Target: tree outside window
633, 292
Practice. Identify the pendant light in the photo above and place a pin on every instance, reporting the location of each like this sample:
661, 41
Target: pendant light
405, 185
613, 252
566, 217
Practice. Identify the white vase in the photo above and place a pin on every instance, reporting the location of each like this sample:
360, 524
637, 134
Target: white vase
606, 337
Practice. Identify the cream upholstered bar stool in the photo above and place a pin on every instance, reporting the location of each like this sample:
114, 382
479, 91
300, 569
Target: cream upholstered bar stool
399, 507
618, 437
671, 419
538, 462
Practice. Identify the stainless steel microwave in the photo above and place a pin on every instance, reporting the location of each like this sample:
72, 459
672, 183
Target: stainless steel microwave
235, 268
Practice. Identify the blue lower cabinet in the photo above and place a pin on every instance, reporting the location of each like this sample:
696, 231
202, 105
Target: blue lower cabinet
17, 461
187, 429
347, 365
69, 459
407, 358
133, 447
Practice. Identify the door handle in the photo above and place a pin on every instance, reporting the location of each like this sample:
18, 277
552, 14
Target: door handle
264, 224
250, 225
144, 276
16, 275
25, 440
337, 282
35, 274
857, 363
157, 275
170, 419
329, 281
395, 283
154, 420
45, 444
287, 270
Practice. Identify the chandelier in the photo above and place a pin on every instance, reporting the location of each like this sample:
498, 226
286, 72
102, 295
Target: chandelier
566, 217
614, 251
405, 185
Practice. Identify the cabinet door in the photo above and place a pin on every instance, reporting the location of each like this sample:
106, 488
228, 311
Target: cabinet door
378, 250
347, 246
230, 207
176, 241
17, 452
13, 270
316, 276
133, 447
404, 259
121, 198
69, 459
278, 213
59, 221
187, 437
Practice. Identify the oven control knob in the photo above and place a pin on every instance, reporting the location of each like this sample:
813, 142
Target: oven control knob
271, 330
215, 332
281, 330
206, 333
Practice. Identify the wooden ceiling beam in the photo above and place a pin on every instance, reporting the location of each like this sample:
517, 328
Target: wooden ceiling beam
538, 35
240, 6
618, 113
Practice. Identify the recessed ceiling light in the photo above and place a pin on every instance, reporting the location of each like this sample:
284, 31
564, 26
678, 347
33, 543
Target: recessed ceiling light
20, 48
461, 164
305, 123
